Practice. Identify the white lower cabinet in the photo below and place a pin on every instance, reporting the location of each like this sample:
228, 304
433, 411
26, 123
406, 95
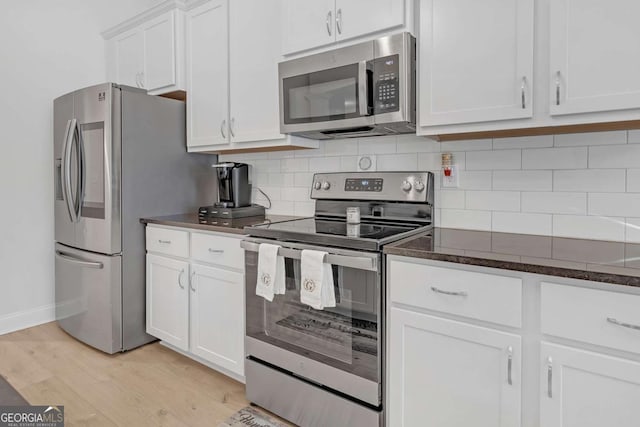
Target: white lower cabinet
196, 303
586, 389
168, 300
448, 374
217, 320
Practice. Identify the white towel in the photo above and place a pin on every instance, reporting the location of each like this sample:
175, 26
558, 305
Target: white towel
316, 288
271, 276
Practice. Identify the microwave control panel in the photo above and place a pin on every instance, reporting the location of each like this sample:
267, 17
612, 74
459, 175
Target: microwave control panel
386, 71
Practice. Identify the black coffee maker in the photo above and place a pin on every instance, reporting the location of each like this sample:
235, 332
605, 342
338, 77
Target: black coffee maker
234, 194
234, 190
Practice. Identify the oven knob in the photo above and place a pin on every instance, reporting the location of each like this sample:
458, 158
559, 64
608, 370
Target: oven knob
326, 185
317, 185
406, 186
419, 186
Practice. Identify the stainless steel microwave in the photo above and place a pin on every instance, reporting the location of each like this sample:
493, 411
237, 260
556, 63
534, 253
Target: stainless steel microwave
368, 89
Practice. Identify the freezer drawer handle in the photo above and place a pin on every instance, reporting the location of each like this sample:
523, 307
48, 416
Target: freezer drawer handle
68, 257
623, 324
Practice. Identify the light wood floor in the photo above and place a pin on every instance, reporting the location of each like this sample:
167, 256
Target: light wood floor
149, 386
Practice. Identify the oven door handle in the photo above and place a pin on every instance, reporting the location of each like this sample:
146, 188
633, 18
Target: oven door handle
358, 263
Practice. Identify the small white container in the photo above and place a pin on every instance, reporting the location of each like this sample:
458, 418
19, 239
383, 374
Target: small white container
353, 215
353, 230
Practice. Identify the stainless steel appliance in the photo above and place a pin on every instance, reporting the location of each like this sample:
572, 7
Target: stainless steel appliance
234, 189
118, 155
324, 367
367, 89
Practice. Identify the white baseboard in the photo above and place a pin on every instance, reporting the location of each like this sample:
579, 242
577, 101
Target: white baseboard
25, 319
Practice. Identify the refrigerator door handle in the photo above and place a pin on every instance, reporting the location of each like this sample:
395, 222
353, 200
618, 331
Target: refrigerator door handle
66, 162
76, 260
66, 184
81, 173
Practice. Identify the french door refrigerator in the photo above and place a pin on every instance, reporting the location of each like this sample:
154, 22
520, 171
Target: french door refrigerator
119, 155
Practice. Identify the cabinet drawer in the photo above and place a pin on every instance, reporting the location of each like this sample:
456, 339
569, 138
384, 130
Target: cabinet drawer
590, 315
482, 296
224, 251
167, 241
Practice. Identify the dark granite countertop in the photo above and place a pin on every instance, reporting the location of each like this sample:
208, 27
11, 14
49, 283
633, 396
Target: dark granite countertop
596, 260
234, 226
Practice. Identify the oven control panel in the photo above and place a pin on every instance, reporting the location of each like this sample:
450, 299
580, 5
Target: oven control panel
387, 86
383, 186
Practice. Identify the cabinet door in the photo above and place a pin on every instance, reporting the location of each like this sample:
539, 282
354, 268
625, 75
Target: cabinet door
307, 24
360, 17
128, 56
168, 300
594, 61
207, 74
449, 374
585, 389
159, 52
217, 316
254, 70
476, 61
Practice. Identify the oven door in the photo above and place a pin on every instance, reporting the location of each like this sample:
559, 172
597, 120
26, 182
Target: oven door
332, 90
337, 347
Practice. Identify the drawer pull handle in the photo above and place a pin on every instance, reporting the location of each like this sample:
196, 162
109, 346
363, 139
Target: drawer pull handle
216, 251
509, 365
550, 377
165, 242
455, 294
624, 325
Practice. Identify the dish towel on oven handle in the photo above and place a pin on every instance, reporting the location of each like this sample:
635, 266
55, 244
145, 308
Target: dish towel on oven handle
316, 284
271, 275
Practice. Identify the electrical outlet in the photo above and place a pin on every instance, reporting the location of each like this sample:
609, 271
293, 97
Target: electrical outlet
450, 181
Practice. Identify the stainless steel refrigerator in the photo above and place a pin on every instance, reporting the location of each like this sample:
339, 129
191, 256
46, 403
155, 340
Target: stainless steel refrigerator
119, 155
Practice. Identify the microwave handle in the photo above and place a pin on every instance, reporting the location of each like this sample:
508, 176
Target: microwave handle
363, 84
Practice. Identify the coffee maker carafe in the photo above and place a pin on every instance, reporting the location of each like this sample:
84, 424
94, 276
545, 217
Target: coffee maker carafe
234, 190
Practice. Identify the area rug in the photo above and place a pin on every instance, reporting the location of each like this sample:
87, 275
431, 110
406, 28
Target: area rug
252, 417
9, 396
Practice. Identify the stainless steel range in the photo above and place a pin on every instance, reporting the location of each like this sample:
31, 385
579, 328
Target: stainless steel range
325, 367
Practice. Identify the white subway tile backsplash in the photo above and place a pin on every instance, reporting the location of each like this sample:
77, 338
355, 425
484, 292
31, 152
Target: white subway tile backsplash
450, 199
377, 145
555, 203
416, 144
474, 180
493, 160
397, 162
294, 165
555, 158
589, 227
614, 204
466, 145
526, 223
609, 180
325, 164
522, 180
581, 185
591, 138
493, 200
465, 219
523, 142
615, 156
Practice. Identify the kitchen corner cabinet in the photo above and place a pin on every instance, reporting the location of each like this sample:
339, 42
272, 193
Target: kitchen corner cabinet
594, 61
317, 23
233, 50
476, 61
195, 295
147, 51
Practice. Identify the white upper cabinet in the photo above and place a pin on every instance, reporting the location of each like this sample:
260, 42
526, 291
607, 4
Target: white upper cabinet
207, 75
594, 61
147, 51
313, 24
356, 18
253, 80
476, 61
307, 24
